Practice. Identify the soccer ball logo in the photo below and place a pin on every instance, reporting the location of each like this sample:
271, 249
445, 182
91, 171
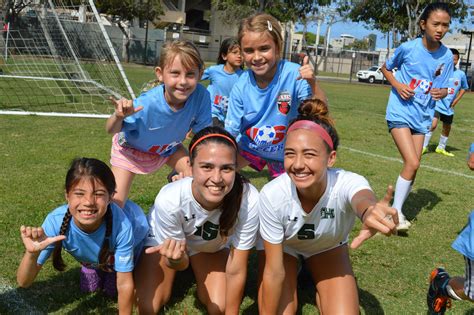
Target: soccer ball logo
265, 135
424, 86
224, 102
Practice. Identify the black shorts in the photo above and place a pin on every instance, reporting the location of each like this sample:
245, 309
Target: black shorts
447, 119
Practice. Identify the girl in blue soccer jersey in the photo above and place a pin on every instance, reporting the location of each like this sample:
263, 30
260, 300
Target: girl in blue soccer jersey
209, 221
222, 78
148, 131
267, 95
424, 68
309, 212
96, 232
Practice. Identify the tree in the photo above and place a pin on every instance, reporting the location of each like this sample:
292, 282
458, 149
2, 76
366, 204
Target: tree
400, 17
124, 11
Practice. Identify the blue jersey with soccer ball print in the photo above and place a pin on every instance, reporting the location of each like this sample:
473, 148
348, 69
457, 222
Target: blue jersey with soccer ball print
221, 83
129, 229
259, 118
456, 83
157, 128
422, 70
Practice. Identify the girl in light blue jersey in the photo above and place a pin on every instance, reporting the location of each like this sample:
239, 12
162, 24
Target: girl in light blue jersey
148, 131
222, 78
105, 239
425, 66
267, 96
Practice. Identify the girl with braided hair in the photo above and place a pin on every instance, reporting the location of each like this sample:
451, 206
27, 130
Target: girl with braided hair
95, 231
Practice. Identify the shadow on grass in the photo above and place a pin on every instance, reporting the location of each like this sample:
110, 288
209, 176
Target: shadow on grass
432, 147
422, 198
59, 293
369, 302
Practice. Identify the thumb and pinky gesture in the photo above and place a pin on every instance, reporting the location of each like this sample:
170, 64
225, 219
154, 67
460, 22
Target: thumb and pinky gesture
379, 218
35, 240
171, 249
124, 107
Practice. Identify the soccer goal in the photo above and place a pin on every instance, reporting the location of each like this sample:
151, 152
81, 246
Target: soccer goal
56, 59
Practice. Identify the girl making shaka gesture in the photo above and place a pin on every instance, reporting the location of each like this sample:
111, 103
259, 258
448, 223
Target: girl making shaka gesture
209, 221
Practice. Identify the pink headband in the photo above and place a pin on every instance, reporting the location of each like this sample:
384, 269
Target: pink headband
209, 135
311, 125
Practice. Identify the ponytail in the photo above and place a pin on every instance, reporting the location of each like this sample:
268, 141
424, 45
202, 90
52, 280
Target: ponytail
58, 262
105, 253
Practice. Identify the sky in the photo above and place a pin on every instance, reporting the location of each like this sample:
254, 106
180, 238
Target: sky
359, 31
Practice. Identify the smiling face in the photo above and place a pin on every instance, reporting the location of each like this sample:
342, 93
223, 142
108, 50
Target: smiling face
434, 28
233, 57
261, 55
180, 82
306, 161
213, 171
88, 201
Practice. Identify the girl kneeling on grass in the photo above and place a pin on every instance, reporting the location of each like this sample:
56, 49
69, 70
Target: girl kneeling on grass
309, 211
209, 221
95, 231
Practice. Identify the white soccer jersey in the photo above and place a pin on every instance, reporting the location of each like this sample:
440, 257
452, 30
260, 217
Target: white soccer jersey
283, 220
177, 215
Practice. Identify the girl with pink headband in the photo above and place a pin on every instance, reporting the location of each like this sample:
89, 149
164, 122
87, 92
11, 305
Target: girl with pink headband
309, 211
208, 221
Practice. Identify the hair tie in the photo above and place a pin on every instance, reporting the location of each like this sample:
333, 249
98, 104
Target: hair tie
209, 135
311, 125
269, 25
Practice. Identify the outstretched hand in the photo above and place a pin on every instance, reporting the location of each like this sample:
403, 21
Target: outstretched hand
35, 240
379, 218
171, 249
306, 70
124, 107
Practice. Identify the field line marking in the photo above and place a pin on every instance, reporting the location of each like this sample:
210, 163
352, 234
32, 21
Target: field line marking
400, 161
13, 301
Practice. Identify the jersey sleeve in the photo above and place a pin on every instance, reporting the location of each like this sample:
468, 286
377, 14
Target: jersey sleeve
464, 85
245, 234
124, 246
271, 228
352, 184
206, 74
396, 60
164, 221
203, 118
235, 112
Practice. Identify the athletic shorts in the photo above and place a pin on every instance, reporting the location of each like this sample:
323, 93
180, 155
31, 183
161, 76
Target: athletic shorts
134, 160
469, 278
447, 119
275, 168
397, 124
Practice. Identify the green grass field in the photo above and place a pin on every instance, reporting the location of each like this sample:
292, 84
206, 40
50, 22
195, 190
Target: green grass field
392, 273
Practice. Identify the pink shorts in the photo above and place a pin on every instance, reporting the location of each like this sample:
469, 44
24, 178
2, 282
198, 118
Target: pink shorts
134, 160
275, 168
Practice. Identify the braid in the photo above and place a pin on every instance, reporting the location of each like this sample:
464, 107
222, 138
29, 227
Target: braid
105, 250
58, 262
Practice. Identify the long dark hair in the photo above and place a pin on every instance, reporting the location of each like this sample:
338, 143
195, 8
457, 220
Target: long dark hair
432, 7
232, 201
92, 169
316, 110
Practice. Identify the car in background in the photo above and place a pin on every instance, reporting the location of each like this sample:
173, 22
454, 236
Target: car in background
371, 75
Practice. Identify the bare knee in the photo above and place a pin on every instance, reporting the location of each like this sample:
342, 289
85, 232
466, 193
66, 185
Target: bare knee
412, 165
214, 308
148, 305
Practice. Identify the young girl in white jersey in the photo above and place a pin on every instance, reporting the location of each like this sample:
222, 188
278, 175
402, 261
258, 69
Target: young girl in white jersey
209, 221
424, 68
267, 96
309, 211
105, 239
148, 131
222, 78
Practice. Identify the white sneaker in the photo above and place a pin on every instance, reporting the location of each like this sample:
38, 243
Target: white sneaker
403, 223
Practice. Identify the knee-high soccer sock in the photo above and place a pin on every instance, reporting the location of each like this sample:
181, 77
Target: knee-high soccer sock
402, 189
442, 142
427, 139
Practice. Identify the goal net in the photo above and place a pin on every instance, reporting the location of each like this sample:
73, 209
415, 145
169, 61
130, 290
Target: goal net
57, 59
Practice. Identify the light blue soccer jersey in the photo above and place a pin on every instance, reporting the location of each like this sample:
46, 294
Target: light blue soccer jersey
422, 70
157, 128
129, 229
456, 83
221, 84
259, 118
464, 243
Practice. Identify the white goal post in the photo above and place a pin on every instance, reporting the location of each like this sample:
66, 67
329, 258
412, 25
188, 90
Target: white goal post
57, 59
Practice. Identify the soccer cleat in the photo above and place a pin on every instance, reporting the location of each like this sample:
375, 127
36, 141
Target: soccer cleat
443, 152
403, 223
425, 149
437, 297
